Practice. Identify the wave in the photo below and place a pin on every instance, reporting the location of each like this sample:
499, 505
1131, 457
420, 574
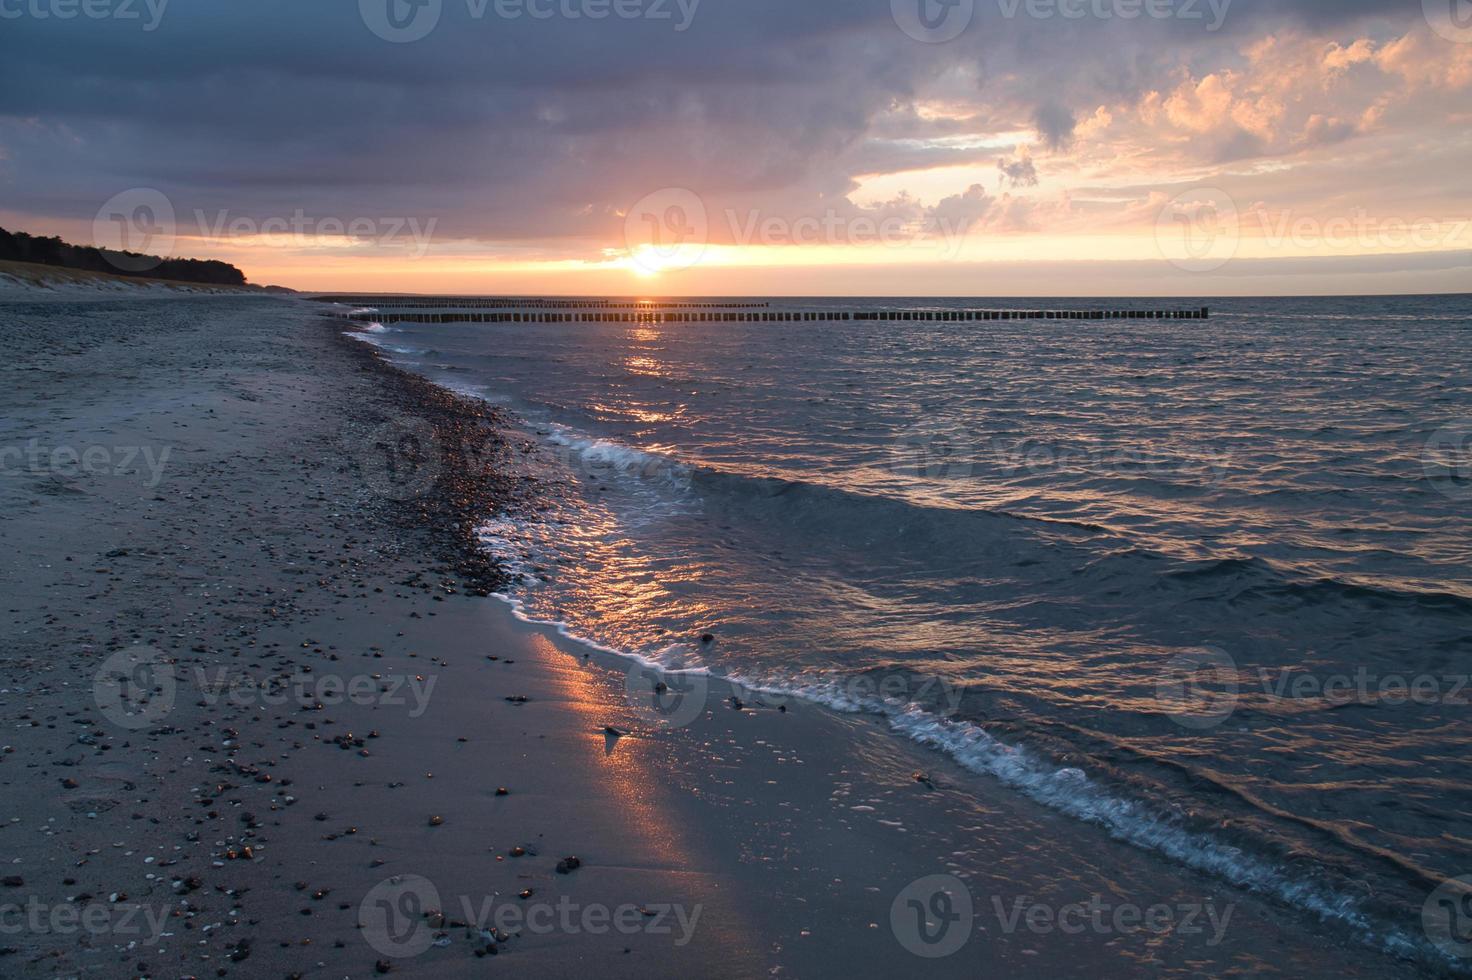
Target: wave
841, 510
1066, 790
585, 452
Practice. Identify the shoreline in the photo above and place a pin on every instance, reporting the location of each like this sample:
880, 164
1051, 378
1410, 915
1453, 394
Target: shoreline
267, 802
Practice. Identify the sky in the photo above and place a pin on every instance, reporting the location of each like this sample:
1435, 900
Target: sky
770, 147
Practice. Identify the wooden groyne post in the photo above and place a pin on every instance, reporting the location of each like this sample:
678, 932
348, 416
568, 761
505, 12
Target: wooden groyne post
741, 313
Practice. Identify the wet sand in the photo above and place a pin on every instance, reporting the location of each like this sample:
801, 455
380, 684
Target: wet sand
302, 773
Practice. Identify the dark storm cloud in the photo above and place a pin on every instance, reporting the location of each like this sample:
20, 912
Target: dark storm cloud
1055, 125
506, 129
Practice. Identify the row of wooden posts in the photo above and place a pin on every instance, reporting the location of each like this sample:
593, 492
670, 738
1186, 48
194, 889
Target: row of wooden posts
641, 316
452, 303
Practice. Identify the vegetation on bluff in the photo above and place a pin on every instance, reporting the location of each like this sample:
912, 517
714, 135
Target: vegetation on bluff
18, 246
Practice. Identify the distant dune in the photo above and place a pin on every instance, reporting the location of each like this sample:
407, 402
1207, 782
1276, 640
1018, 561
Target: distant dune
32, 278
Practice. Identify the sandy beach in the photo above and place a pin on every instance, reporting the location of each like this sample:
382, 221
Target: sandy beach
262, 716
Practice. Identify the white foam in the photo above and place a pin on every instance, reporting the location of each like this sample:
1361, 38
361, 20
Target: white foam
587, 452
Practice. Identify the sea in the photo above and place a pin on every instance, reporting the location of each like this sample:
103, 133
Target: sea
1204, 583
